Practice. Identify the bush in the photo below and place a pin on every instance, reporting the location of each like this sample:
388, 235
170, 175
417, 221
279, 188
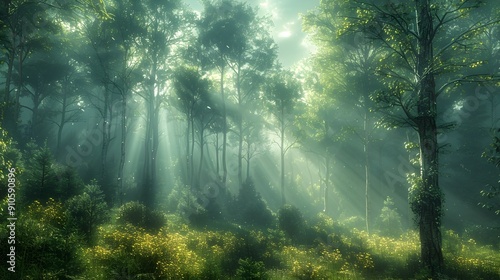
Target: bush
250, 270
389, 221
139, 215
41, 181
132, 253
44, 248
251, 208
88, 210
290, 221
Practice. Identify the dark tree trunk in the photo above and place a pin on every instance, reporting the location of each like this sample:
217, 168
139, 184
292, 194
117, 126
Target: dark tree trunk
106, 122
224, 124
427, 204
122, 148
217, 161
249, 146
367, 171
240, 127
63, 118
202, 144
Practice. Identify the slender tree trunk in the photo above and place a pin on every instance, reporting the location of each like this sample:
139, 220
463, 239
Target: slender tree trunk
282, 147
17, 104
240, 151
240, 127
202, 144
249, 146
188, 131
428, 204
34, 116
367, 172
191, 173
122, 147
148, 146
7, 119
63, 118
8, 77
156, 144
326, 201
105, 135
217, 162
224, 124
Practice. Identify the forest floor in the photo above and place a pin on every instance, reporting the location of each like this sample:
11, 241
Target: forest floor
137, 244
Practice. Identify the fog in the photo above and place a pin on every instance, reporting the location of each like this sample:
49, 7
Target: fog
250, 139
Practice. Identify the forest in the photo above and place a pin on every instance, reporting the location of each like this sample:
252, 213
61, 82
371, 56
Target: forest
270, 139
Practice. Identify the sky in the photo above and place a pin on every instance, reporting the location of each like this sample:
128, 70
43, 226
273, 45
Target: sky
292, 42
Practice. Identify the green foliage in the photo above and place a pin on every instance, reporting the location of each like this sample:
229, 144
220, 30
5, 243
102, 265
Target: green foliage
250, 208
485, 235
45, 248
44, 178
291, 221
70, 183
389, 221
88, 210
9, 155
139, 215
251, 270
283, 92
422, 199
41, 181
493, 193
131, 252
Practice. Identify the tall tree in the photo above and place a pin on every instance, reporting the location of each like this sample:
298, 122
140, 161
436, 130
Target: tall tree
222, 37
249, 61
283, 92
428, 46
194, 101
162, 23
346, 66
26, 28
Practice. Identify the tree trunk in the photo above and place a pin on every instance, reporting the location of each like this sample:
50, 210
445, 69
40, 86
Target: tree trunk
6, 117
188, 131
327, 185
240, 127
156, 144
105, 135
202, 144
191, 173
282, 147
249, 146
63, 118
217, 163
122, 148
224, 124
367, 172
428, 199
17, 103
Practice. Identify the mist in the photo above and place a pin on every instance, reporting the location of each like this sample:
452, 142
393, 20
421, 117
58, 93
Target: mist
250, 139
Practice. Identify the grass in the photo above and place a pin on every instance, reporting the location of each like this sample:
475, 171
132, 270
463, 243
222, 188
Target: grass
323, 249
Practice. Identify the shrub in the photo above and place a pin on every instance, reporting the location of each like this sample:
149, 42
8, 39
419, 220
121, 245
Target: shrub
139, 215
88, 210
290, 221
44, 248
41, 181
389, 221
132, 253
251, 208
250, 270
